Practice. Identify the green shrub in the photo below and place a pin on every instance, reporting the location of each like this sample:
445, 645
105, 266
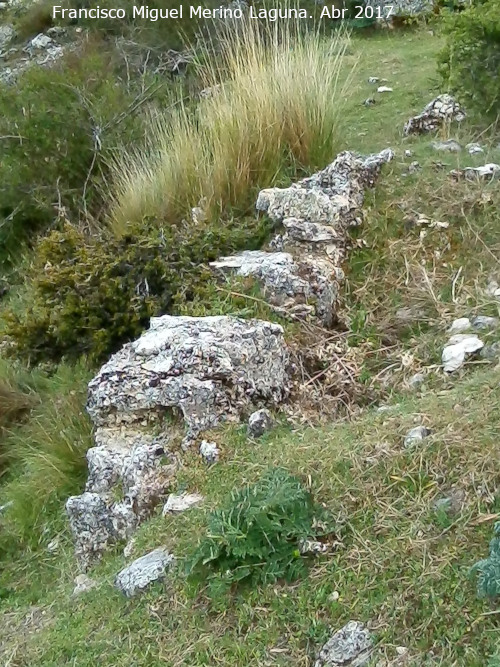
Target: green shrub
36, 18
256, 537
470, 61
57, 128
89, 296
488, 570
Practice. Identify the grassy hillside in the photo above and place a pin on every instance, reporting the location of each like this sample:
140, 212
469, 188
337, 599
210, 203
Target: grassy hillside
400, 562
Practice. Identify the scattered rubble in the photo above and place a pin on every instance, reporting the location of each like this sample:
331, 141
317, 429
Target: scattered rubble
351, 646
458, 348
442, 109
259, 422
415, 435
181, 502
143, 572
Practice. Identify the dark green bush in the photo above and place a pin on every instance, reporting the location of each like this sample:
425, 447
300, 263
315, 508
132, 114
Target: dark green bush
256, 537
57, 129
89, 296
470, 61
488, 569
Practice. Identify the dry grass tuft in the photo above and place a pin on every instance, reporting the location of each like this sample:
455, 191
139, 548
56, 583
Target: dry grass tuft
274, 107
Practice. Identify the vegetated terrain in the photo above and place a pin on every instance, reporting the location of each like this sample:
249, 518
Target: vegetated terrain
399, 561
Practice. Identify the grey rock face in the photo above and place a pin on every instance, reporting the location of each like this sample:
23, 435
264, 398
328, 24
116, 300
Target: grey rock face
205, 367
288, 283
442, 109
143, 572
350, 646
259, 422
303, 276
416, 435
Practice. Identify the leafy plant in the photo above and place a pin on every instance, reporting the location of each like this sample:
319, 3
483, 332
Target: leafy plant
488, 569
470, 61
256, 537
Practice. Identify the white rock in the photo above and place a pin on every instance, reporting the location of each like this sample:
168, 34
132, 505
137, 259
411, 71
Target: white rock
373, 79
408, 153
473, 149
41, 41
460, 325
493, 289
384, 89
489, 171
7, 34
450, 146
181, 502
415, 435
351, 646
458, 348
416, 381
144, 571
209, 452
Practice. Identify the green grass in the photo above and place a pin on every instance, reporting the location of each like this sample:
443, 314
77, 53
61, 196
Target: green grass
401, 566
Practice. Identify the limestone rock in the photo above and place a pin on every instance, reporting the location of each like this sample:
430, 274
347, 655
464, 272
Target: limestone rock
481, 322
205, 367
209, 452
460, 325
442, 109
448, 146
83, 584
181, 502
474, 149
384, 89
259, 422
41, 41
350, 646
415, 435
144, 571
7, 34
488, 171
457, 349
287, 282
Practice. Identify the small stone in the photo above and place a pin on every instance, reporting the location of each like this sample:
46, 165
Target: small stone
384, 89
416, 434
369, 102
351, 646
41, 41
491, 352
53, 545
408, 153
129, 547
492, 289
312, 547
488, 171
485, 322
443, 109
460, 325
83, 584
473, 149
414, 167
7, 34
457, 349
450, 146
181, 502
373, 79
334, 597
259, 422
209, 452
416, 381
144, 571
401, 650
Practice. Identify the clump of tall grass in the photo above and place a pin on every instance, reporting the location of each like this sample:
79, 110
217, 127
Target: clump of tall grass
46, 458
273, 110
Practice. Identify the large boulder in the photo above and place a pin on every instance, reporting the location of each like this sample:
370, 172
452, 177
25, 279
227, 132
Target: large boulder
443, 109
206, 368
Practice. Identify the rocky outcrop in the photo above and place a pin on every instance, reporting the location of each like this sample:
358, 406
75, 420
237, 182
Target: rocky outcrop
302, 276
351, 645
443, 109
207, 370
